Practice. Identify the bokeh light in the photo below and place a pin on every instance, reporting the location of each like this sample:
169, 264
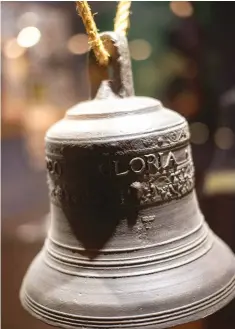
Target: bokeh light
27, 19
186, 103
140, 49
224, 138
181, 8
29, 37
199, 133
78, 44
12, 50
147, 77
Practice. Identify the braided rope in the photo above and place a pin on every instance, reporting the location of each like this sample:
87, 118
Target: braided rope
93, 36
121, 25
122, 19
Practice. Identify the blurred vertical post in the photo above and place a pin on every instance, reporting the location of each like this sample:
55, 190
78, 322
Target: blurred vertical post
37, 118
219, 186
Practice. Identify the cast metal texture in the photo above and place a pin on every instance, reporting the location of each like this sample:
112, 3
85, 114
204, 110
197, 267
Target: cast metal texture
128, 246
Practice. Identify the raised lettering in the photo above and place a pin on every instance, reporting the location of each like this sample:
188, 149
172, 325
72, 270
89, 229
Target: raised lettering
160, 159
54, 167
137, 165
170, 161
186, 154
57, 168
116, 168
152, 163
104, 169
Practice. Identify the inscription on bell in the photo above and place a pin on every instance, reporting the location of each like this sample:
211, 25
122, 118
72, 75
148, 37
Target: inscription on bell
151, 163
53, 167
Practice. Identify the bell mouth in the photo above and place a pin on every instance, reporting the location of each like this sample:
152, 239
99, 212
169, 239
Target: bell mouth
157, 300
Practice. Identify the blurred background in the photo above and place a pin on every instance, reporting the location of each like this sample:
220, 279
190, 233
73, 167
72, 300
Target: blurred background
182, 53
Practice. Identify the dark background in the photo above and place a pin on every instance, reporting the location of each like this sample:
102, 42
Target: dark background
182, 53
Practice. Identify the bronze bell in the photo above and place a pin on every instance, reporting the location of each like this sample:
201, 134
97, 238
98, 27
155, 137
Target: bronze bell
128, 246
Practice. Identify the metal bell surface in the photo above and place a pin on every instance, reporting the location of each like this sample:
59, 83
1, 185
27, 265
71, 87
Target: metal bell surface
128, 246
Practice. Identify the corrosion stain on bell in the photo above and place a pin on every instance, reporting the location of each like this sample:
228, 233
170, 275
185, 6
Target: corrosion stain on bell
128, 246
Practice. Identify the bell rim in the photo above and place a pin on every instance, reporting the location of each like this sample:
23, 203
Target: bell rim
158, 323
189, 312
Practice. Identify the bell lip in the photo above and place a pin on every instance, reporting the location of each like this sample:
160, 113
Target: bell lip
167, 324
192, 311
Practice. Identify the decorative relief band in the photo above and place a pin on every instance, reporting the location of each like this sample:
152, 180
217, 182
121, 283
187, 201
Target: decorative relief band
169, 185
140, 181
171, 138
149, 141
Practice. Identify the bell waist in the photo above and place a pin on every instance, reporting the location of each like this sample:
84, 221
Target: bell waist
132, 262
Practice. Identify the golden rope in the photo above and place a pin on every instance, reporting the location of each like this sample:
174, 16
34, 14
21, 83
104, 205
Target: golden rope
122, 21
93, 36
121, 25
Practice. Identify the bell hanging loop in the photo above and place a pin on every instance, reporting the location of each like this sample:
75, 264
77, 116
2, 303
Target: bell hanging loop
114, 79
